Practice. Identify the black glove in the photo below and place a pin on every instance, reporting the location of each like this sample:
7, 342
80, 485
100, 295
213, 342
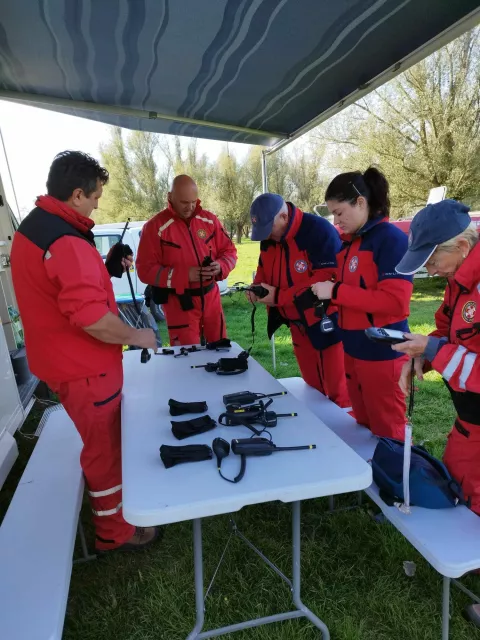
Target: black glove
223, 343
179, 408
171, 456
114, 259
187, 428
148, 295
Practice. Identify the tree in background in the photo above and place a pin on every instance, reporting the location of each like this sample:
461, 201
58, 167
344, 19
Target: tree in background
236, 185
422, 129
142, 166
186, 160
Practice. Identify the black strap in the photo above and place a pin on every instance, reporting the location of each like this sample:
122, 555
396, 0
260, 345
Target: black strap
241, 473
252, 323
411, 401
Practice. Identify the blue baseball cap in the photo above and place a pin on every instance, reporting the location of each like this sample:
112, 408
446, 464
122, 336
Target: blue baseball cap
262, 214
434, 224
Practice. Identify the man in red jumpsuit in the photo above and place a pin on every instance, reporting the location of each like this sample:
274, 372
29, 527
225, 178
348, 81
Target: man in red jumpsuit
298, 249
173, 247
73, 334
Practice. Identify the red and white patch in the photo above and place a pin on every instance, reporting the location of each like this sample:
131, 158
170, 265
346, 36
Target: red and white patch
202, 233
300, 266
468, 311
353, 264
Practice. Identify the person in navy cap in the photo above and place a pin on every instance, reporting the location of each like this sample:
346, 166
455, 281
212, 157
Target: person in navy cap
444, 240
296, 250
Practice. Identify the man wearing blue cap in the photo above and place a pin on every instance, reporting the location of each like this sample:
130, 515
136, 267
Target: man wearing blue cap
296, 250
443, 239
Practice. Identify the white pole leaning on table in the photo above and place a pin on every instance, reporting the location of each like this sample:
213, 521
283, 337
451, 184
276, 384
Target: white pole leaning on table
264, 190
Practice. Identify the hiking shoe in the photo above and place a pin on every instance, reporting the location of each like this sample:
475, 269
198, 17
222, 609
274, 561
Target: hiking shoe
472, 613
141, 539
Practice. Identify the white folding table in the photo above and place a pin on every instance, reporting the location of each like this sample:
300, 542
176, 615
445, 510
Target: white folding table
153, 495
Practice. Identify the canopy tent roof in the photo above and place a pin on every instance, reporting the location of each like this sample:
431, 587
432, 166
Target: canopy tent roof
254, 71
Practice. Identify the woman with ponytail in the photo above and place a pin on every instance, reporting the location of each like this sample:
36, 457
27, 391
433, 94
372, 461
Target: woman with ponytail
369, 293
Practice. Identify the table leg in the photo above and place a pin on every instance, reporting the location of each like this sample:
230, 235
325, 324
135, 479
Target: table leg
300, 612
446, 608
296, 553
198, 568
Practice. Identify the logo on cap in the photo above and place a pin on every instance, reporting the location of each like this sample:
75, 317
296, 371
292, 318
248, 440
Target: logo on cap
468, 311
254, 219
201, 233
353, 265
300, 266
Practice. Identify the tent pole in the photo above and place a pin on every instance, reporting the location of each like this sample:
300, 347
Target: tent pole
264, 190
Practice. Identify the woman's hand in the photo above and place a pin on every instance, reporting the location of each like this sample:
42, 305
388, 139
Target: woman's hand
406, 375
323, 290
414, 346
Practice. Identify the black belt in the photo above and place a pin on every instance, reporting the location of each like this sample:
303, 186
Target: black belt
160, 295
198, 292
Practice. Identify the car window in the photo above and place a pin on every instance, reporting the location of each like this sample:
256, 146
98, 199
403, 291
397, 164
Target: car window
105, 242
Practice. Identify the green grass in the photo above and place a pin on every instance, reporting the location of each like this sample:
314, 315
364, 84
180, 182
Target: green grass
352, 568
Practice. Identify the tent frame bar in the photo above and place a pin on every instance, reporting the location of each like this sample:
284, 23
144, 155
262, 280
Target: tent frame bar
455, 31
39, 100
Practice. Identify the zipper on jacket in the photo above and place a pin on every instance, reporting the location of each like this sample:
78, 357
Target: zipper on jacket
340, 310
194, 246
460, 291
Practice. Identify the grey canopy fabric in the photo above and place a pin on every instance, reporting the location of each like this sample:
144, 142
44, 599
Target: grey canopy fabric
269, 66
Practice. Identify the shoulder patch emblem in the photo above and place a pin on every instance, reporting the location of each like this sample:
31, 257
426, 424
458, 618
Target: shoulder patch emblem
300, 266
468, 311
201, 233
353, 264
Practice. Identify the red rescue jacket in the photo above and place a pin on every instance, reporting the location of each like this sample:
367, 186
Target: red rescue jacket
458, 326
169, 246
305, 255
369, 292
61, 286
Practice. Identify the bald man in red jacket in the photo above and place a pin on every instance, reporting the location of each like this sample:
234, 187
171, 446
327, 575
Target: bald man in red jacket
174, 246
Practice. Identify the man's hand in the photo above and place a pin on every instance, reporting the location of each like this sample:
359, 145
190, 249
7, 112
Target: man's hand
323, 290
146, 339
414, 346
127, 263
194, 274
269, 299
207, 273
406, 375
212, 271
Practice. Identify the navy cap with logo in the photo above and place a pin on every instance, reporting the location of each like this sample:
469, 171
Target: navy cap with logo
262, 214
433, 225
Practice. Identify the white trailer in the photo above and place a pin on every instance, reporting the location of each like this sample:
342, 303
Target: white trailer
12, 410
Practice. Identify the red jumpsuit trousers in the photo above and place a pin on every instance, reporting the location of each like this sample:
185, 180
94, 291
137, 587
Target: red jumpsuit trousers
93, 404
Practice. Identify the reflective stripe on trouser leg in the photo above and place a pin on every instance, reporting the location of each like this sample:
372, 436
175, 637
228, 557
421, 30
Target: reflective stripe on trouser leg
106, 492
108, 512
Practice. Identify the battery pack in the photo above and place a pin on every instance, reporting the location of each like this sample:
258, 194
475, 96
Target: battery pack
241, 397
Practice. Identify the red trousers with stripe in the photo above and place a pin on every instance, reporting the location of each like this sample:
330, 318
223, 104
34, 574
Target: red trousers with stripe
377, 401
322, 369
184, 326
462, 459
93, 404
